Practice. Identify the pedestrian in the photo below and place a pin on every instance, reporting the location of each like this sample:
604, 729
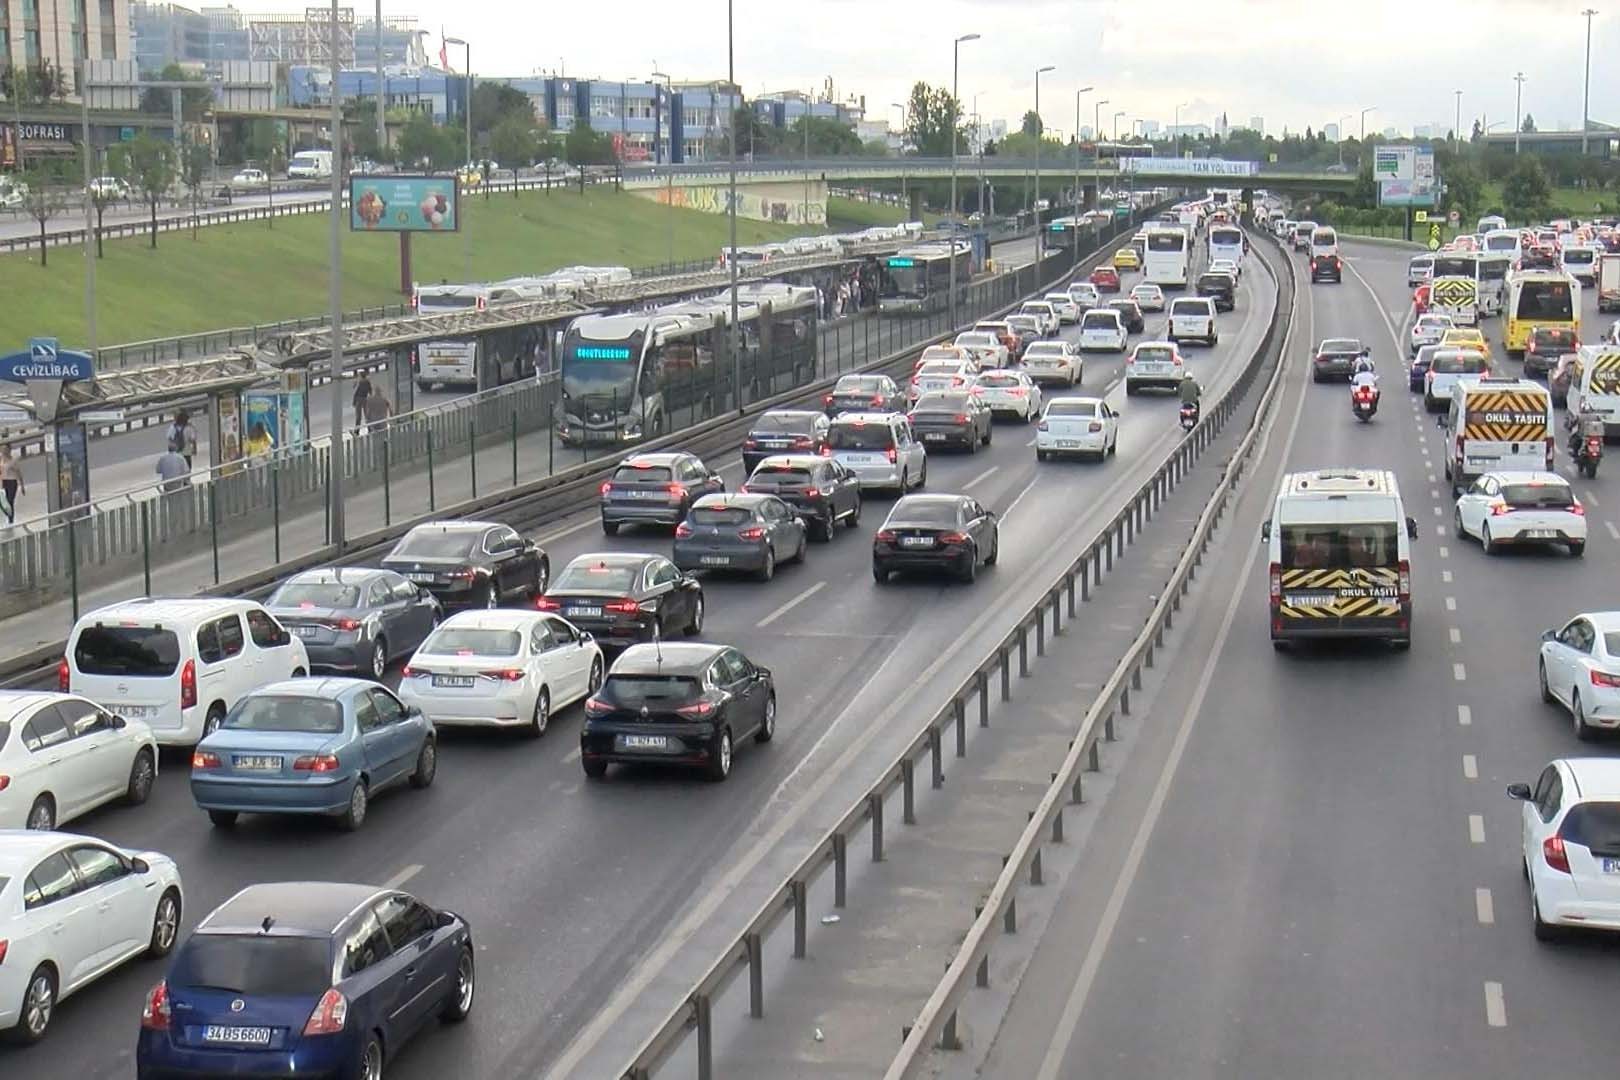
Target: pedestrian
11, 481
377, 410
362, 391
173, 470
182, 436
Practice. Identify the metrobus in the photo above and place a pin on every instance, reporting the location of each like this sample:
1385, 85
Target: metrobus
1539, 298
1226, 242
1167, 257
919, 278
629, 378
483, 361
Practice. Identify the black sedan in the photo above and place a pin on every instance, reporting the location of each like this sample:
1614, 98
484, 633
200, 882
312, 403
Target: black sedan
936, 532
1546, 345
625, 597
865, 393
745, 531
1417, 372
677, 705
1129, 314
470, 564
1336, 358
1219, 287
951, 419
819, 489
784, 431
353, 618
655, 489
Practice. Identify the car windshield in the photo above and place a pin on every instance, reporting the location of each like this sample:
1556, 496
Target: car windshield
923, 512
1538, 496
1072, 408
784, 475
861, 437
634, 691
998, 379
791, 423
1101, 320
138, 651
323, 594
270, 965
286, 713
597, 577
644, 474
436, 544
1154, 354
1594, 825
976, 339
472, 641
721, 515
859, 384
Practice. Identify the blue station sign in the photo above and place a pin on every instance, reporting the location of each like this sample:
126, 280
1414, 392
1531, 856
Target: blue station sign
44, 360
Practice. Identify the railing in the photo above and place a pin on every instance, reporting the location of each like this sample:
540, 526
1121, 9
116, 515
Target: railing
927, 753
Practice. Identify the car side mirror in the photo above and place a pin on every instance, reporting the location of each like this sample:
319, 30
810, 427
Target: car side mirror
586, 637
1519, 792
117, 722
1549, 635
140, 866
762, 673
1411, 528
1265, 529
445, 919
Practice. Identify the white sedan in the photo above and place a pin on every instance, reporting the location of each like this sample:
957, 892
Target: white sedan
985, 349
1579, 668
75, 908
1077, 425
1011, 393
1568, 829
250, 178
1428, 330
942, 376
1225, 266
1085, 296
1068, 311
501, 669
1148, 297
1054, 362
62, 756
1521, 508
1102, 328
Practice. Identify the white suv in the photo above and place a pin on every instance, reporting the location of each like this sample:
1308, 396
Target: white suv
177, 664
1044, 312
1102, 328
1570, 839
880, 450
1193, 317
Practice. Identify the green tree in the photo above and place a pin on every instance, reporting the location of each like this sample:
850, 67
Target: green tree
195, 166
1465, 187
1032, 125
828, 138
514, 141
102, 196
33, 85
932, 114
493, 103
583, 146
45, 196
193, 102
150, 168
876, 148
422, 141
1477, 133
755, 137
1527, 193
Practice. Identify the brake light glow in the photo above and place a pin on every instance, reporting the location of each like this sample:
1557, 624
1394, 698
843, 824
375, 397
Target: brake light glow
3, 946
954, 538
683, 530
155, 1013
1552, 850
885, 536
346, 624
623, 607
546, 603
812, 493
753, 532
877, 400
329, 1015
505, 674
607, 486
1403, 580
827, 400
1603, 678
64, 675
697, 711
1276, 583
893, 455
750, 443
1577, 509
316, 763
1017, 391
1498, 508
676, 490
960, 418
597, 707
408, 672
188, 685
204, 759
826, 451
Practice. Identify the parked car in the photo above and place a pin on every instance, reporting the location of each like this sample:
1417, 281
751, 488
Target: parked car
467, 564
355, 619
62, 756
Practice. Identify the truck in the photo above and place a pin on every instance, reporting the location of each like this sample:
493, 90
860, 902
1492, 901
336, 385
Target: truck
1608, 282
310, 165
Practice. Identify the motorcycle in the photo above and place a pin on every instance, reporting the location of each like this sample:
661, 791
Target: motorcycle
1189, 415
1364, 402
1586, 445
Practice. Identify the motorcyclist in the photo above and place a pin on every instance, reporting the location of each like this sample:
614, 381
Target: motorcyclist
1191, 392
1585, 421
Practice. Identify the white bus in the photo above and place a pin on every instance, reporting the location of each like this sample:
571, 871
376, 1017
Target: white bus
1225, 242
1501, 242
1167, 257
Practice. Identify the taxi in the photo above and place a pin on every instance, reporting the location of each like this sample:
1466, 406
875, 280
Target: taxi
1127, 259
1466, 337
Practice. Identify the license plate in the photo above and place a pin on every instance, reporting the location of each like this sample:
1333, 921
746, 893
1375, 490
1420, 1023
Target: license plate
584, 612
643, 742
1541, 534
249, 1036
648, 494
1068, 444
305, 631
916, 541
133, 712
715, 560
420, 576
1611, 866
934, 436
860, 459
258, 762
453, 681
1309, 601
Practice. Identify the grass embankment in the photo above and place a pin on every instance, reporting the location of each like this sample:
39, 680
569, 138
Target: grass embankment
1565, 202
844, 215
241, 275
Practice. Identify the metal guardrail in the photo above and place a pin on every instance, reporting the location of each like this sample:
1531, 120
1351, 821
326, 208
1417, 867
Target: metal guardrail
694, 1013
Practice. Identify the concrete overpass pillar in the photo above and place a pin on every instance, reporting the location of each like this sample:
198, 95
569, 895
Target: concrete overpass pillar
914, 205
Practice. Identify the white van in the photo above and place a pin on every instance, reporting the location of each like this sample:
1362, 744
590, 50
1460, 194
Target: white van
1580, 261
1491, 223
1598, 388
1302, 234
177, 664
1193, 317
1497, 424
310, 165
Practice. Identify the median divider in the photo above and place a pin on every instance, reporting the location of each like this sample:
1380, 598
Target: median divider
923, 761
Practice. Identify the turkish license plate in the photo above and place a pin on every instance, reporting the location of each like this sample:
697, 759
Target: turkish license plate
1068, 444
715, 560
245, 1036
648, 494
258, 762
916, 541
643, 742
305, 631
934, 436
860, 459
421, 575
133, 712
1541, 534
452, 682
584, 613
1611, 866
1310, 600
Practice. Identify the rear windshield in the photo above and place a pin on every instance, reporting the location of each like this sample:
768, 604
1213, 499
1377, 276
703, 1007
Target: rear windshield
858, 384
472, 641
324, 594
1538, 496
1071, 408
436, 544
948, 402
644, 473
1594, 825
1545, 300
1311, 546
634, 691
1579, 255
972, 338
1340, 345
863, 437
254, 964
1166, 241
941, 367
1044, 348
1037, 307
784, 475
998, 380
1100, 320
1188, 307
138, 651
792, 423
721, 515
286, 713
1154, 355
924, 513
1214, 281
1022, 322
1458, 363
1551, 336
598, 578
1324, 237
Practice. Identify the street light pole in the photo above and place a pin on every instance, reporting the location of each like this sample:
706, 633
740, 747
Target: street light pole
1339, 137
1096, 150
1586, 93
1456, 125
669, 173
1077, 93
382, 127
905, 114
1364, 113
731, 203
1518, 109
334, 278
1039, 127
955, 110
1117, 115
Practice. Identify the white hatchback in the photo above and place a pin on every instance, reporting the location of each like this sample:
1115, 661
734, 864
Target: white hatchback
62, 756
1077, 425
1008, 393
1579, 668
1225, 266
1148, 297
1067, 310
1428, 330
1054, 362
1085, 295
1569, 828
1521, 508
1102, 328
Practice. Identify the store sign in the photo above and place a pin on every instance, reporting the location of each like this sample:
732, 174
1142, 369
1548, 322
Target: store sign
45, 132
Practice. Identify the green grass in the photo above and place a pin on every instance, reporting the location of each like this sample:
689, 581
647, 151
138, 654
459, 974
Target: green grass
854, 214
240, 275
1566, 202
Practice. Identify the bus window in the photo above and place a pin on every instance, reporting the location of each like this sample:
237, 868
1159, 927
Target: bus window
1545, 300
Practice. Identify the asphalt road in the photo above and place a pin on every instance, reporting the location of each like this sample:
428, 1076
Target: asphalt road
576, 890
1309, 867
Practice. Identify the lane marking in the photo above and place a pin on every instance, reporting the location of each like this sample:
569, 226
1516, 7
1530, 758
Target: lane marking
1032, 441
1591, 497
1439, 530
1495, 1007
1456, 636
791, 604
1614, 533
1484, 908
1445, 552
1470, 767
403, 876
1476, 828
1451, 601
1438, 511
572, 755
1445, 576
1007, 513
987, 474
1434, 493
551, 537
1459, 672
1465, 715
1431, 478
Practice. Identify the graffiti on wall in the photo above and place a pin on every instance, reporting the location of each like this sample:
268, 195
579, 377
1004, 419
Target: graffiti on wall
783, 203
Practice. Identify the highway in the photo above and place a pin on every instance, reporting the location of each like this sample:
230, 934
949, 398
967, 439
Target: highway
16, 225
1308, 866
593, 903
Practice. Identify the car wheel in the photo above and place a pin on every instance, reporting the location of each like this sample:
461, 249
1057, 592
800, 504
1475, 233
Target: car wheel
1541, 677
1486, 542
720, 761
541, 719
371, 1060
995, 549
38, 1005
970, 573
223, 819
594, 770
427, 764
1583, 730
610, 528
141, 774
216, 717
767, 569
804, 545
854, 518
880, 575
922, 477
905, 481
1040, 455
767, 727
492, 596
165, 925
459, 1005
693, 628
1544, 931
1457, 524
987, 433
354, 815
379, 659
42, 815
542, 579
973, 444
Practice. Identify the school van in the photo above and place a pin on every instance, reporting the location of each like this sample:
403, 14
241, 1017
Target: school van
1597, 385
177, 664
1495, 425
1339, 544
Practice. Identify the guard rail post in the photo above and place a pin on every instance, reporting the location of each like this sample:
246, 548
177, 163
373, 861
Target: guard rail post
213, 525
840, 857
514, 446
146, 547
275, 508
73, 564
387, 453
432, 500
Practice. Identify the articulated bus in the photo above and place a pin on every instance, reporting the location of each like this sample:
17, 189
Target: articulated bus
633, 377
1539, 298
918, 279
1226, 242
1167, 255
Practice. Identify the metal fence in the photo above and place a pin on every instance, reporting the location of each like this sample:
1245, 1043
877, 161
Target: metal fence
927, 753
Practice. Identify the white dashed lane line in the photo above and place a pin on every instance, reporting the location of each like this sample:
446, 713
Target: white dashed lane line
1495, 1007
403, 876
1484, 907
1465, 715
1445, 576
1451, 603
1470, 767
791, 604
1614, 533
1456, 636
1459, 672
987, 474
1476, 829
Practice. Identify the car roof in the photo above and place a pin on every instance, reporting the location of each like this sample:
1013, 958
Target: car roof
296, 908
338, 575
453, 526
666, 457
792, 413
330, 686
912, 502
1595, 777
1528, 476
1158, 343
1602, 620
667, 658
799, 461
612, 558
15, 703
164, 610
490, 619
1073, 399
720, 500
865, 418
20, 849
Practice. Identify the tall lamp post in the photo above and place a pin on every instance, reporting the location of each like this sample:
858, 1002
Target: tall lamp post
666, 160
467, 117
956, 108
1039, 127
905, 118
1117, 115
1364, 113
334, 279
1340, 136
1586, 93
731, 201
1456, 125
382, 89
1518, 109
1096, 152
1077, 93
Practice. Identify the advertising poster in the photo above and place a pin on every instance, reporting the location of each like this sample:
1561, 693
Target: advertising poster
404, 204
404, 382
228, 428
72, 477
294, 408
261, 408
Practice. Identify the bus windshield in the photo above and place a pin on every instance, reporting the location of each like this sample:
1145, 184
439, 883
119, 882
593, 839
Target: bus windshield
908, 280
1545, 300
594, 369
1455, 266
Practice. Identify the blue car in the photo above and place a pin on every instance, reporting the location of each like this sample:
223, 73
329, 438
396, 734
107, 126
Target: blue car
311, 746
305, 979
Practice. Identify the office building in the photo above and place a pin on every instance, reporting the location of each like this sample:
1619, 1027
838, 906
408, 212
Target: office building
1330, 132
207, 38
63, 32
1150, 129
1257, 124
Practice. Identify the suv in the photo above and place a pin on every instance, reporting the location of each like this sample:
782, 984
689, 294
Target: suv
1569, 826
1193, 317
822, 491
1325, 263
177, 665
1154, 364
1419, 269
1220, 288
880, 450
1545, 345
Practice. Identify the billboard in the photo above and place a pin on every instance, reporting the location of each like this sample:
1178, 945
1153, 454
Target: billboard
1189, 166
1417, 188
1393, 162
404, 204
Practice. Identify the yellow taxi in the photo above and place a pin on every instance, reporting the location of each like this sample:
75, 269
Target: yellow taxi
1127, 259
1466, 337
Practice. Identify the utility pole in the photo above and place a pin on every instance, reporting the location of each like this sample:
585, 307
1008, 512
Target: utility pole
731, 208
382, 127
955, 111
1456, 125
334, 279
1586, 94
1039, 129
1518, 110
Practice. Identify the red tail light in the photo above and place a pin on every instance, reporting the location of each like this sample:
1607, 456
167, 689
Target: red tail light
1094, 426
317, 763
1603, 678
3, 946
623, 607
1276, 583
960, 418
64, 675
346, 624
1017, 391
812, 493
885, 536
5, 782
408, 672
1042, 426
188, 685
676, 490
683, 530
505, 674
877, 401
1577, 509
802, 443
826, 451
1552, 850
546, 603
607, 486
1403, 580
204, 759
954, 538
597, 707
753, 532
1498, 508
893, 455
329, 1015
957, 380
750, 443
696, 712
155, 1013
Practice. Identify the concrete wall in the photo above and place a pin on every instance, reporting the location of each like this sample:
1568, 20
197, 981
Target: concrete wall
779, 201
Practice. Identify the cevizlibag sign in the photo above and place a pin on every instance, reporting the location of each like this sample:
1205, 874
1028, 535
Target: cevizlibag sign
404, 204
44, 360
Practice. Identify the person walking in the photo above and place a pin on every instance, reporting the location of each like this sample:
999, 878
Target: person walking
173, 470
11, 482
183, 436
377, 410
362, 391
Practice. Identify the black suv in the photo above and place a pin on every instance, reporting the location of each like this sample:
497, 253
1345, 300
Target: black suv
1219, 287
1326, 268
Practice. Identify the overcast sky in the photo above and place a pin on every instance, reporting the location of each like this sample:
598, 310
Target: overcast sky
1292, 63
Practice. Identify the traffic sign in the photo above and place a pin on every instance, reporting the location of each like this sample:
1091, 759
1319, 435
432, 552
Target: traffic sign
1434, 235
1454, 217
102, 416
44, 360
1420, 216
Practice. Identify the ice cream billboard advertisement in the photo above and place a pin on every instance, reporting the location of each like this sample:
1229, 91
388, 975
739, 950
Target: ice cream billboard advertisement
404, 204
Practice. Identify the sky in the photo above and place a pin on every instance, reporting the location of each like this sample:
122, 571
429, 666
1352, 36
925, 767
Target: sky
1292, 63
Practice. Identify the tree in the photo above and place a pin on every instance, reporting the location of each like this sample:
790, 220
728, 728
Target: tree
755, 137
33, 85
1477, 133
193, 103
195, 165
584, 146
421, 141
876, 148
102, 196
828, 138
45, 197
1527, 192
932, 114
1465, 187
493, 102
1529, 125
150, 169
1033, 127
